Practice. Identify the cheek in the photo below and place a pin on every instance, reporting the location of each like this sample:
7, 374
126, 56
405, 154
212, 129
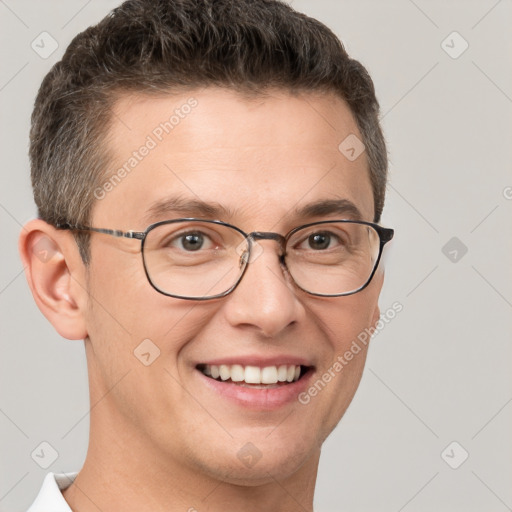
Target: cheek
344, 322
344, 318
136, 335
127, 317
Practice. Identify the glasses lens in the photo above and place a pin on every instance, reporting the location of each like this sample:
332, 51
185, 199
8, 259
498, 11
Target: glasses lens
194, 259
333, 258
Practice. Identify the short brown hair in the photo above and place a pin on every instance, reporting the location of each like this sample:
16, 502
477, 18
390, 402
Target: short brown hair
161, 45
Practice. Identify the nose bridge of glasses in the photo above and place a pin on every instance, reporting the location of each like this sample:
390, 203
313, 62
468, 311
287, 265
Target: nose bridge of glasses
268, 235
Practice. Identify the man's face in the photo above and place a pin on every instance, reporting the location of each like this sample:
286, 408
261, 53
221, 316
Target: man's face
260, 160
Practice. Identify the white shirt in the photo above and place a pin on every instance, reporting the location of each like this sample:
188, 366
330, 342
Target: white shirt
50, 497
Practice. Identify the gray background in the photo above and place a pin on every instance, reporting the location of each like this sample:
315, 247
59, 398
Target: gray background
439, 372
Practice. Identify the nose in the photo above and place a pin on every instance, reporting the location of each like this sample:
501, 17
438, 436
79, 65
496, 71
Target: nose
266, 299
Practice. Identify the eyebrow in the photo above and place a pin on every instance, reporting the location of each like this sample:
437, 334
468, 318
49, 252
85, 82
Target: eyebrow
325, 207
189, 207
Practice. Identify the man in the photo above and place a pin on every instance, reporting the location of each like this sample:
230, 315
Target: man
209, 177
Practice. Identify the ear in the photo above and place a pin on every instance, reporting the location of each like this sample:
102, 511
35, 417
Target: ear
56, 276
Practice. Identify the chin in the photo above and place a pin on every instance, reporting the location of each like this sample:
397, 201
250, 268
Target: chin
260, 461
280, 466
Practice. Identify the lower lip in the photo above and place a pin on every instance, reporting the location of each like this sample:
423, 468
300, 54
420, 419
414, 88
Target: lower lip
259, 398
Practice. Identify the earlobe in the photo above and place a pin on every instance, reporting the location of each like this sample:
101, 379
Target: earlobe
49, 258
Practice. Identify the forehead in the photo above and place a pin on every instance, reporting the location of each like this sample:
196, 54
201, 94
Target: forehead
252, 158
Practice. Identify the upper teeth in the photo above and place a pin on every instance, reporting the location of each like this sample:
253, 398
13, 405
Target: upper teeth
253, 374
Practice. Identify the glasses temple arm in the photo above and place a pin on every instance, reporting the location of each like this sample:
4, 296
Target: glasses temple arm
139, 235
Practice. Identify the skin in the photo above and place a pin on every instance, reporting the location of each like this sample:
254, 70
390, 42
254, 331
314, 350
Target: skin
158, 428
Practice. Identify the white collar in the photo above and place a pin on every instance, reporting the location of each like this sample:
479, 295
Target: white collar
50, 497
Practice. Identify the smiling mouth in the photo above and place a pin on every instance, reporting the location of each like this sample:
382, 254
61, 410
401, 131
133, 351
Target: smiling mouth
254, 376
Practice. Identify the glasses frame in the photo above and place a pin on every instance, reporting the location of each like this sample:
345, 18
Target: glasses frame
385, 235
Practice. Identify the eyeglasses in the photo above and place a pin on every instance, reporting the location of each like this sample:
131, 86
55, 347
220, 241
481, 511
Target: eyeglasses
199, 259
